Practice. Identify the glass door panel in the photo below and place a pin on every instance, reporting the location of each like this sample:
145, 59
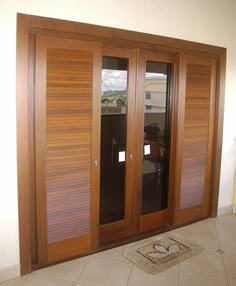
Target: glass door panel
117, 134
134, 157
156, 138
113, 138
153, 151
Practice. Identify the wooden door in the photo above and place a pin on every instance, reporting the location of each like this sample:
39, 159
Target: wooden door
67, 86
154, 112
197, 82
117, 143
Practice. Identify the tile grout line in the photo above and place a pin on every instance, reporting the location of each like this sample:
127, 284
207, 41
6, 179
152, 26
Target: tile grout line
178, 274
129, 275
11, 279
48, 276
82, 271
221, 255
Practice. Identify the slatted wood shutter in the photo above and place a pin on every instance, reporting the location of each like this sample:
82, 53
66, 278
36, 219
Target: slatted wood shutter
195, 137
67, 78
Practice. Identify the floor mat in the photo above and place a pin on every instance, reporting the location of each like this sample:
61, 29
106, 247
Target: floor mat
157, 255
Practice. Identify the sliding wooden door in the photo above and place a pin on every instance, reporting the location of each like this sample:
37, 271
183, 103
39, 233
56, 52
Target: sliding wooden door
154, 111
105, 127
67, 86
195, 137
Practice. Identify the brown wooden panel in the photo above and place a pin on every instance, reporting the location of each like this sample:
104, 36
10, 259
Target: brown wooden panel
197, 77
197, 101
32, 149
69, 89
64, 127
114, 231
154, 220
68, 248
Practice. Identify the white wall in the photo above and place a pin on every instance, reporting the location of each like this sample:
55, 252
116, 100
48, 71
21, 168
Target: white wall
206, 21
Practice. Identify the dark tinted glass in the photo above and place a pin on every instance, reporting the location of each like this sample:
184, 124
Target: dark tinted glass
156, 139
113, 139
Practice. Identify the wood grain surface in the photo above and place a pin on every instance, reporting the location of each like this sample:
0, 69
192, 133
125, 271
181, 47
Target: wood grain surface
64, 128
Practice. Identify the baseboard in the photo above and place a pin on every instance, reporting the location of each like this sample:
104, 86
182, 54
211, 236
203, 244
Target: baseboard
9, 272
224, 210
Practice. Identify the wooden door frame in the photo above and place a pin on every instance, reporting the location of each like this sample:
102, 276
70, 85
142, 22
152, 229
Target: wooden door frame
27, 27
144, 222
122, 228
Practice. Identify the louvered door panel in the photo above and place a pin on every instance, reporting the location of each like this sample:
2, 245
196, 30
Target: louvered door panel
69, 93
197, 80
197, 102
64, 101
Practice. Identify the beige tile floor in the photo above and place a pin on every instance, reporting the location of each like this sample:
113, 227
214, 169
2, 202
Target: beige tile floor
110, 268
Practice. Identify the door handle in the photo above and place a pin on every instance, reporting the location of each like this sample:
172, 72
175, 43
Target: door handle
96, 163
131, 156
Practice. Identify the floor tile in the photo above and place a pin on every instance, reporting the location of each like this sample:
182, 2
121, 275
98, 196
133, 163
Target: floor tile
167, 278
227, 242
229, 218
208, 240
206, 225
68, 271
9, 273
227, 228
115, 253
187, 278
207, 262
230, 265
105, 272
232, 282
111, 268
37, 280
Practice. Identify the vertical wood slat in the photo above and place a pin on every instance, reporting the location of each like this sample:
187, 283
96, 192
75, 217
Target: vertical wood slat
64, 145
198, 89
23, 154
32, 149
95, 152
218, 132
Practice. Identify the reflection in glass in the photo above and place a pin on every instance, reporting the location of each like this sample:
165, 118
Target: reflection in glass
156, 141
113, 139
